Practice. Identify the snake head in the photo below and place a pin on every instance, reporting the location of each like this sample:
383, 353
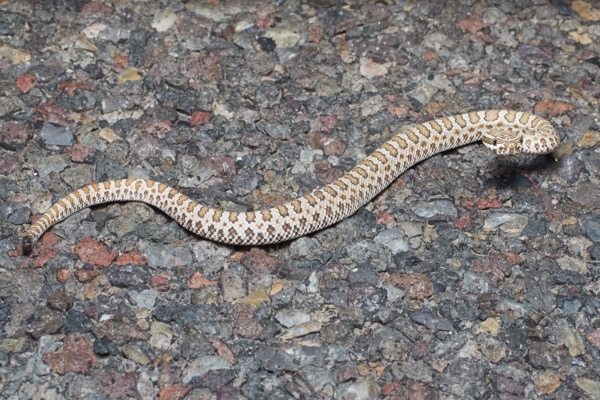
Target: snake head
536, 137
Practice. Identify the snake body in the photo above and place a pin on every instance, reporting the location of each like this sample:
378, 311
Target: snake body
501, 130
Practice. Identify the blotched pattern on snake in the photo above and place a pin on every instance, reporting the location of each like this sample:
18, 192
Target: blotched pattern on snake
505, 132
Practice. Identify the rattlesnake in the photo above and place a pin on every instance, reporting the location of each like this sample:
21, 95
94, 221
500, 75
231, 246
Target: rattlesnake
506, 132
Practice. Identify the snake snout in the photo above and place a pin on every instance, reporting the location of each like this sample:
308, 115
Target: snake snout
543, 141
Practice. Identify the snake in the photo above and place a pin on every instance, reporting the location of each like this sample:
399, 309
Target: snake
503, 131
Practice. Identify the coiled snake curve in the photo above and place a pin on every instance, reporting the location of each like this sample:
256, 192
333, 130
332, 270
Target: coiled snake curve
505, 132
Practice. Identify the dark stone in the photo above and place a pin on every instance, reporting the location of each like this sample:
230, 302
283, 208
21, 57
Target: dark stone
546, 355
568, 169
104, 348
107, 169
534, 55
595, 252
15, 213
431, 320
562, 277
572, 230
197, 314
77, 322
55, 135
216, 379
196, 346
94, 71
14, 136
123, 127
3, 358
539, 294
60, 301
187, 102
138, 40
336, 297
535, 228
336, 332
527, 203
591, 306
570, 305
44, 322
83, 100
405, 261
591, 227
266, 44
283, 298
267, 95
363, 275
127, 275
275, 360
369, 298
508, 385
11, 23
5, 313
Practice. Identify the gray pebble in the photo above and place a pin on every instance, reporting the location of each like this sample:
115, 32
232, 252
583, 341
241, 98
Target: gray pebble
369, 298
77, 322
104, 347
304, 247
290, 318
3, 358
535, 228
513, 223
146, 298
375, 255
539, 294
586, 194
135, 353
393, 239
476, 283
126, 223
44, 322
127, 275
547, 355
60, 301
591, 227
436, 207
10, 23
431, 320
361, 389
165, 256
233, 286
594, 253
56, 135
201, 315
571, 305
83, 100
112, 104
275, 360
15, 213
568, 169
54, 163
526, 202
363, 275
245, 182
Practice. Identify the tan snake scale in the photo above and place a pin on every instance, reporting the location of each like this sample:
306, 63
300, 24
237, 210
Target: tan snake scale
501, 130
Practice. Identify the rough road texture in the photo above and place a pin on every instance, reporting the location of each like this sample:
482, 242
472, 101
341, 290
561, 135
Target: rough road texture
473, 276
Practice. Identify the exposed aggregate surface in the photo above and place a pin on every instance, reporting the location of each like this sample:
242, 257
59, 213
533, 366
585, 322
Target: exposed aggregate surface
472, 276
